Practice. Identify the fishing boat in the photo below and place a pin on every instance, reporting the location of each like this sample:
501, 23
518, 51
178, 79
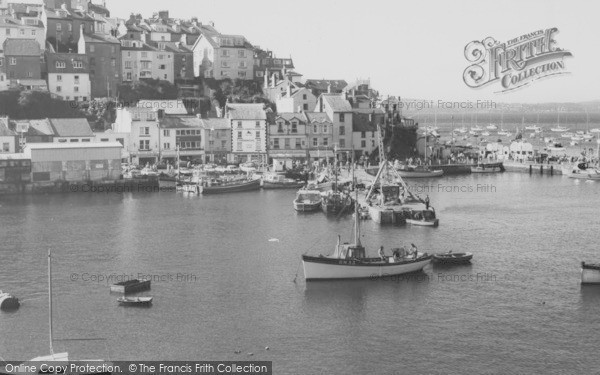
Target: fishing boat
559, 129
8, 302
555, 146
485, 134
349, 261
335, 202
452, 258
307, 200
590, 273
277, 181
419, 213
232, 186
486, 168
130, 286
533, 128
491, 127
418, 171
581, 170
166, 180
249, 167
134, 301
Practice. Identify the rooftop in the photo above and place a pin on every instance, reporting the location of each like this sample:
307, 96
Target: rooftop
319, 117
171, 107
4, 129
337, 103
216, 123
289, 116
71, 127
246, 111
21, 47
175, 122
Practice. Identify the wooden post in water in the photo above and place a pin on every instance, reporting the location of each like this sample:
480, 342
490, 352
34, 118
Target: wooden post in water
541, 169
551, 170
530, 169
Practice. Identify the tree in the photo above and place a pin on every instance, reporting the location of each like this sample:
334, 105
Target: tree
148, 89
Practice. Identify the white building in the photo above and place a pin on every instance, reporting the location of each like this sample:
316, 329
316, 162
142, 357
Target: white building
248, 131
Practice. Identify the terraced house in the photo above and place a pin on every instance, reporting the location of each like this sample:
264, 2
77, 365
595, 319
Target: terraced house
141, 60
68, 75
22, 59
248, 124
22, 26
104, 53
223, 56
288, 137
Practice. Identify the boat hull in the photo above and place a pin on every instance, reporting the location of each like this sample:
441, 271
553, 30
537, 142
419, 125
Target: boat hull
319, 268
282, 185
233, 188
430, 174
8, 302
307, 206
387, 215
424, 223
590, 273
486, 170
458, 258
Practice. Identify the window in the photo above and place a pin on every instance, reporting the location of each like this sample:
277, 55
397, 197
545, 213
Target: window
113, 49
258, 124
241, 53
223, 144
86, 140
92, 61
77, 64
242, 74
5, 147
225, 53
22, 31
342, 143
58, 88
113, 62
92, 48
13, 61
144, 130
129, 77
74, 140
276, 143
104, 139
61, 65
145, 145
342, 130
242, 65
162, 67
280, 127
239, 146
29, 74
224, 64
316, 129
33, 32
127, 64
298, 142
239, 135
294, 127
166, 133
144, 54
304, 96
315, 142
58, 78
59, 26
287, 143
76, 88
325, 129
166, 146
325, 142
257, 135
161, 56
70, 27
363, 144
239, 124
363, 134
305, 107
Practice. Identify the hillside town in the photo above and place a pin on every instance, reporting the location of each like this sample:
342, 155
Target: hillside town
74, 53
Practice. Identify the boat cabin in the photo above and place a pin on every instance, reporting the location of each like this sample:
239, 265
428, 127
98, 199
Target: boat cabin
349, 251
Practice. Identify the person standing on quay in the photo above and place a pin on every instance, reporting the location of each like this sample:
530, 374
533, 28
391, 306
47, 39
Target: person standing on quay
427, 202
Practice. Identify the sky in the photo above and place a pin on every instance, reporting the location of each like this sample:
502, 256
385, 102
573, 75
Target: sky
412, 49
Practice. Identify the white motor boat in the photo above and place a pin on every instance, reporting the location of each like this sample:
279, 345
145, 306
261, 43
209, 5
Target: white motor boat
491, 127
590, 273
559, 129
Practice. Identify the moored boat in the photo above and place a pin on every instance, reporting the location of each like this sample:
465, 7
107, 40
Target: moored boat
335, 202
135, 301
590, 273
349, 261
277, 181
452, 258
307, 200
234, 186
419, 214
418, 171
130, 286
485, 168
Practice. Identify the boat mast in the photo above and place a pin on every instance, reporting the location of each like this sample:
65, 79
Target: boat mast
50, 299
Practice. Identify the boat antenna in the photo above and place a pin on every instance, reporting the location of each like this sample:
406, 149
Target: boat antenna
50, 298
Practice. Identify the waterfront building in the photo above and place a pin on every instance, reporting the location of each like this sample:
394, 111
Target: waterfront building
248, 124
104, 53
146, 60
32, 131
365, 136
319, 132
221, 56
340, 112
22, 59
32, 84
71, 130
68, 75
216, 140
288, 138
296, 100
112, 136
183, 133
8, 138
55, 163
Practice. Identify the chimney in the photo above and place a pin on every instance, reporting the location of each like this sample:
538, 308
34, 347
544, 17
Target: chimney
273, 80
300, 109
289, 90
329, 88
266, 79
143, 37
211, 23
63, 6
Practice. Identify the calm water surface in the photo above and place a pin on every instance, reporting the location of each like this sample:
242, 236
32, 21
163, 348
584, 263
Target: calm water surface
518, 308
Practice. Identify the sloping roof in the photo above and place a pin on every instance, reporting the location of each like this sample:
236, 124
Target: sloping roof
171, 122
21, 47
39, 127
98, 9
337, 103
319, 117
216, 123
289, 116
4, 129
100, 38
71, 127
171, 107
246, 111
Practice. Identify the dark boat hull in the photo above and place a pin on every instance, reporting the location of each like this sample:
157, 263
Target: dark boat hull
231, 188
458, 258
282, 185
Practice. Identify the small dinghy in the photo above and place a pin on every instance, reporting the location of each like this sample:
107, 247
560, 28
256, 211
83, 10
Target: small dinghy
135, 301
8, 302
452, 258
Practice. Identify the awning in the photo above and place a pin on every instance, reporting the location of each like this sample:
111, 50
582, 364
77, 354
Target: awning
321, 154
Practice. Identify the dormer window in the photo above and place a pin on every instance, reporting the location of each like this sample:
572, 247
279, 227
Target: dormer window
161, 46
61, 65
77, 64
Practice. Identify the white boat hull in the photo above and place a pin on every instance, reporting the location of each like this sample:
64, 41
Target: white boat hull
424, 223
329, 271
590, 276
408, 174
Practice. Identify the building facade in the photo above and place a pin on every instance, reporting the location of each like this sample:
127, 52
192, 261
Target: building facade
288, 137
216, 140
320, 136
104, 53
248, 123
22, 59
68, 75
340, 113
222, 56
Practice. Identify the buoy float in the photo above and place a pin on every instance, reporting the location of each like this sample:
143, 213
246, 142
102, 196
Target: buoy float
250, 353
266, 348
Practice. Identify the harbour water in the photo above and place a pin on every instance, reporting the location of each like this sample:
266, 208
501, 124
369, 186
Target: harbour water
224, 270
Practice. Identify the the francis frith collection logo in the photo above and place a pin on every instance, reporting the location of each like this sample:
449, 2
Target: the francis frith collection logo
515, 63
